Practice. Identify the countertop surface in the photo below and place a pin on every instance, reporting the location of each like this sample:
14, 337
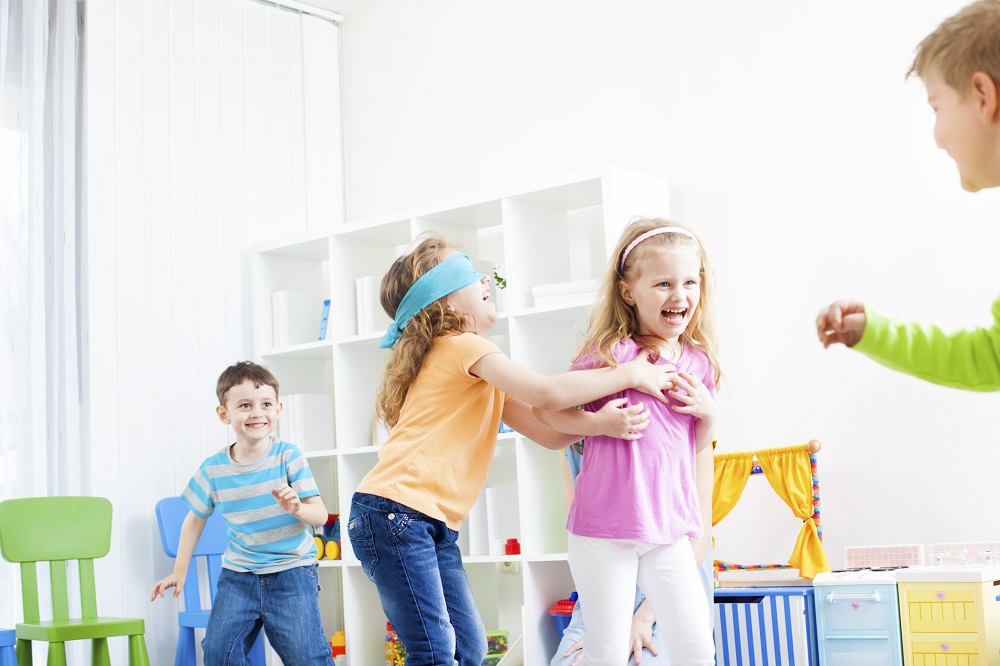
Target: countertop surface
948, 574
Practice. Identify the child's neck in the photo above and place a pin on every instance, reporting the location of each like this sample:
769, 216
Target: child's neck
247, 452
670, 350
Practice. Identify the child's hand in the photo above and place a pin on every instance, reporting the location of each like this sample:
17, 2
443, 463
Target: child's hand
288, 499
698, 401
616, 420
578, 649
171, 581
843, 321
650, 378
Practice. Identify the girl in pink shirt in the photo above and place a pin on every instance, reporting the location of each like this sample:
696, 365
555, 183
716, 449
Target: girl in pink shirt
636, 503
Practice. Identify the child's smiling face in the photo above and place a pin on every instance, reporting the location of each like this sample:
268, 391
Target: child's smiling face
474, 300
666, 292
252, 411
963, 129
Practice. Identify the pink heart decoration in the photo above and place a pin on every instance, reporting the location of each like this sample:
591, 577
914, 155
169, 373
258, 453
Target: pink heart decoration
945, 647
940, 596
855, 606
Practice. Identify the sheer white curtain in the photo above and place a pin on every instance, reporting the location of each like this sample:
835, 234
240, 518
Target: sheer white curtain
41, 438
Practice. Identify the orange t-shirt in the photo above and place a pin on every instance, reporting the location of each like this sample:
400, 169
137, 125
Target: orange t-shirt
437, 457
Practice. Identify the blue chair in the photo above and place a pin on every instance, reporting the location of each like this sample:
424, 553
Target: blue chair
170, 515
7, 642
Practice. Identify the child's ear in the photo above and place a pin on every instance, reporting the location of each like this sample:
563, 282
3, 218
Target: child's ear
985, 90
223, 414
626, 292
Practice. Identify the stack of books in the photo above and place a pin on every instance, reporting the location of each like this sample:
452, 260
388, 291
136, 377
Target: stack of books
576, 292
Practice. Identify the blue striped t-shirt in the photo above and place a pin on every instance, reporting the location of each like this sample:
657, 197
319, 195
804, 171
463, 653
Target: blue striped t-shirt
262, 537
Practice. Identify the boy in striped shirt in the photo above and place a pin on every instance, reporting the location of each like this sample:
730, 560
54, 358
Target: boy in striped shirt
267, 495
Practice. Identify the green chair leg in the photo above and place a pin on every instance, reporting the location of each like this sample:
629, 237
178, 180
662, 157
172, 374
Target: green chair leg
23, 652
99, 653
57, 654
137, 651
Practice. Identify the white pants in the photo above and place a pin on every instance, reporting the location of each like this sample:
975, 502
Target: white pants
606, 571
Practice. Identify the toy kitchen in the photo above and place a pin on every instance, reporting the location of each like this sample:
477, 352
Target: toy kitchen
888, 608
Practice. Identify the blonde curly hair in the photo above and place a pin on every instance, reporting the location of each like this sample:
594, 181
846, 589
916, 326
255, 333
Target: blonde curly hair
437, 319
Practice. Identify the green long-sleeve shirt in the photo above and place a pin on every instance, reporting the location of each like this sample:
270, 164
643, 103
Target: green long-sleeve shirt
966, 359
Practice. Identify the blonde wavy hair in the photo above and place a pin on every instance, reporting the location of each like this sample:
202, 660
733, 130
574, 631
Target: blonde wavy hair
962, 45
612, 320
437, 319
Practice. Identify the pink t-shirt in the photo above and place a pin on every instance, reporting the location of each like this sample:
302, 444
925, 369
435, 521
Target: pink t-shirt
642, 490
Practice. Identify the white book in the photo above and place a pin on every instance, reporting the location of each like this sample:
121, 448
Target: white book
565, 300
307, 421
501, 517
296, 316
492, 527
479, 540
363, 289
565, 288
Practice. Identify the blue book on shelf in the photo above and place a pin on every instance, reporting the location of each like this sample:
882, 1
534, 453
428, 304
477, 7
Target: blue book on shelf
324, 320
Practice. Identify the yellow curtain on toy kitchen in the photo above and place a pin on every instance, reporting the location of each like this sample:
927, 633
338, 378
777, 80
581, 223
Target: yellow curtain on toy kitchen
790, 475
732, 470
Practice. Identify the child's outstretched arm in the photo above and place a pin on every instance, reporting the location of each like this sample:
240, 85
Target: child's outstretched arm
191, 530
614, 419
518, 415
570, 389
557, 430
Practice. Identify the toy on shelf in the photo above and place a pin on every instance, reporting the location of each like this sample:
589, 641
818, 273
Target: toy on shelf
496, 647
562, 610
338, 644
327, 538
395, 651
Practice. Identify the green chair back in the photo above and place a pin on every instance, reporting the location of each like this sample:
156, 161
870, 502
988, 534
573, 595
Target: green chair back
57, 530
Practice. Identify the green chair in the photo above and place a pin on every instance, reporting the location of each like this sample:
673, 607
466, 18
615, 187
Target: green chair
56, 530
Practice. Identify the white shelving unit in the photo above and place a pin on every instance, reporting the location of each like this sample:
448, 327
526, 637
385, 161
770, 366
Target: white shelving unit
554, 233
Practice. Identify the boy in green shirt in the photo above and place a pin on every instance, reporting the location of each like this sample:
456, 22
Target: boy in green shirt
960, 65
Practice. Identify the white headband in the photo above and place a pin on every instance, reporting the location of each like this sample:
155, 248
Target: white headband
649, 234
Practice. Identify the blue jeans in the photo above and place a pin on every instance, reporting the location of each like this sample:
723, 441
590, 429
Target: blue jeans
417, 568
285, 604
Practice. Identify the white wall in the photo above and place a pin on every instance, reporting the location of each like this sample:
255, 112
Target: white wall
195, 136
793, 145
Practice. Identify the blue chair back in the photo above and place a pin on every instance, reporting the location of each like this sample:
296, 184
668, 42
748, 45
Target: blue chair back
170, 515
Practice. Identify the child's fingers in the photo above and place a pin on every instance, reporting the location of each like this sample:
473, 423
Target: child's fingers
633, 410
573, 648
159, 589
284, 493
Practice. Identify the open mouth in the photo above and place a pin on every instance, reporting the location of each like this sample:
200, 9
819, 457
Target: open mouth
674, 317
